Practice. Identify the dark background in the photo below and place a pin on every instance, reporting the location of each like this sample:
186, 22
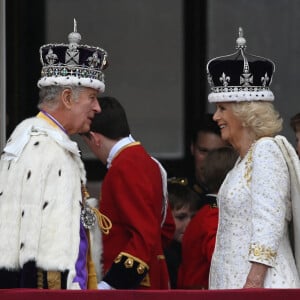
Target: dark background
208, 28
26, 31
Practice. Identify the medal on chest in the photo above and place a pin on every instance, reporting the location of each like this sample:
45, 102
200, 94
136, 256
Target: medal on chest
87, 215
91, 216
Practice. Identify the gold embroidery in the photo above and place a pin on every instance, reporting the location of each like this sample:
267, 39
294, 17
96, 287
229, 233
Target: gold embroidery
40, 279
53, 279
248, 165
146, 281
126, 146
161, 257
141, 267
118, 258
262, 252
135, 259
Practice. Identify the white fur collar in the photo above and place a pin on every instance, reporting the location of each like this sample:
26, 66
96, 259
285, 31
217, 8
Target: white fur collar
35, 126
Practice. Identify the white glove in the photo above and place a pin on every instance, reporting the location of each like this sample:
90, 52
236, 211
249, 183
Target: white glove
104, 286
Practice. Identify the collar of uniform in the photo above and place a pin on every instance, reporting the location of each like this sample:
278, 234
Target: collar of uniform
118, 147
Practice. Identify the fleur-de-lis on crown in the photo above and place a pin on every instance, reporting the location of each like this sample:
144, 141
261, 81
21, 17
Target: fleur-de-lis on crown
225, 79
246, 79
265, 79
51, 57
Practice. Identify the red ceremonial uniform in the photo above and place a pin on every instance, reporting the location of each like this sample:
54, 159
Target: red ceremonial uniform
197, 248
132, 198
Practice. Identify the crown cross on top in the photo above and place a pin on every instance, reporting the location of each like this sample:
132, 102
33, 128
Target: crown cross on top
246, 79
72, 55
225, 79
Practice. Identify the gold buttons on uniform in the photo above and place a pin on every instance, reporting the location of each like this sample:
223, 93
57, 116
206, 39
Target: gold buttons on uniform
128, 263
140, 269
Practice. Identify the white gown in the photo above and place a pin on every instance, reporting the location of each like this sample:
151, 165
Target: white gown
254, 213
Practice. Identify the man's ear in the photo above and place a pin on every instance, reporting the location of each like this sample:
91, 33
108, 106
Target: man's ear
66, 97
95, 138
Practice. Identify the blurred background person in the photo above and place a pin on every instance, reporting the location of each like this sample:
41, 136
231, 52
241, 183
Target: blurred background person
206, 136
199, 238
184, 203
295, 124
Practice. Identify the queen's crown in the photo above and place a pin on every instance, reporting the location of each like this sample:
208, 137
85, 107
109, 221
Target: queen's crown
240, 76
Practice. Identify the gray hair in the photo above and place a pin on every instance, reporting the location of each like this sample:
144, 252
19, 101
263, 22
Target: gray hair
49, 95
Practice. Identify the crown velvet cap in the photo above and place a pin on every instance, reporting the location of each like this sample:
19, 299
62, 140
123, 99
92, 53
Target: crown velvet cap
240, 76
73, 64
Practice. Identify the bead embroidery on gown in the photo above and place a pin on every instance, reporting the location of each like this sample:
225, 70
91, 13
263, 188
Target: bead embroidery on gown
254, 212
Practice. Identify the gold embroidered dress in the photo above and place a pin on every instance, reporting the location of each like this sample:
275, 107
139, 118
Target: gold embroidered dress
254, 213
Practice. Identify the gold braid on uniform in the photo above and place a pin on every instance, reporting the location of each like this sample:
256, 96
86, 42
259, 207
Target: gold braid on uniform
104, 222
128, 272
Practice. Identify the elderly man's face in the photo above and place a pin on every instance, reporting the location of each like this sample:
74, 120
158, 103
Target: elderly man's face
83, 110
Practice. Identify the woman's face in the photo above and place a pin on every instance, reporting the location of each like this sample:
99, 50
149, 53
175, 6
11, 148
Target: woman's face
230, 125
182, 218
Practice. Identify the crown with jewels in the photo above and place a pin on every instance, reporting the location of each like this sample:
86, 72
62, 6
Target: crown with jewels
240, 76
73, 64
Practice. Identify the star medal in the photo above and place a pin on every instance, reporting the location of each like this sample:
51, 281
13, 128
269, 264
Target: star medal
88, 217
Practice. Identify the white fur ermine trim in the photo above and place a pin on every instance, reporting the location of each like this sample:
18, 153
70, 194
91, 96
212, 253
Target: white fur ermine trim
96, 242
241, 96
72, 80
